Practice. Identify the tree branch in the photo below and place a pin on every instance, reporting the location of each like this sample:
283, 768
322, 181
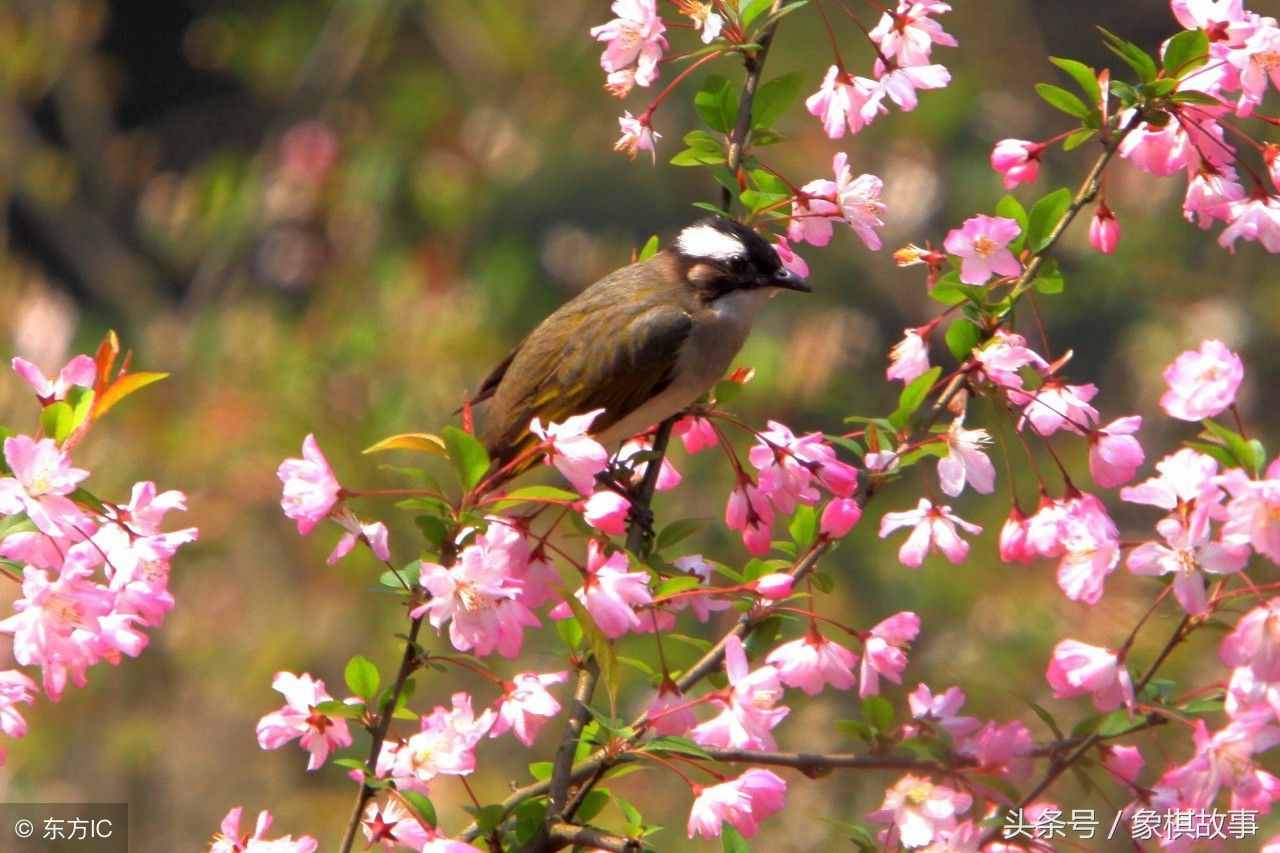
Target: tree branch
742, 127
562, 835
560, 775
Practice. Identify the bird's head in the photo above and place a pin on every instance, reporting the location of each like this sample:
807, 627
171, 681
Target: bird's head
720, 256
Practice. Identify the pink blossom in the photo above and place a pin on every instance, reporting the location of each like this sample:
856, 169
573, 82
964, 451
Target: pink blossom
1253, 513
1184, 476
229, 839
607, 511
1187, 555
1003, 356
1090, 548
917, 810
670, 712
839, 517
812, 662
42, 477
1211, 194
776, 586
982, 244
1104, 230
1225, 759
704, 20
1123, 761
1253, 219
965, 461
61, 626
900, 82
634, 37
79, 372
749, 711
526, 706
909, 357
1056, 405
391, 824
934, 526
479, 598
1256, 63
310, 487
1271, 156
1002, 749
574, 454
702, 605
1077, 668
15, 688
137, 568
696, 434
790, 260
884, 651
909, 34
298, 718
1255, 642
356, 531
668, 477
611, 594
750, 512
445, 743
742, 802
1227, 20
1017, 160
859, 200
1159, 150
941, 708
1013, 546
812, 212
1114, 454
1202, 382
1249, 698
839, 102
789, 465
637, 135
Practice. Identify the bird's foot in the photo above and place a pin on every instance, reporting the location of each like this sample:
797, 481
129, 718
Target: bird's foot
641, 516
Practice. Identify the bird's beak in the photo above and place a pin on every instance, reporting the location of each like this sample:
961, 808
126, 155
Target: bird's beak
788, 280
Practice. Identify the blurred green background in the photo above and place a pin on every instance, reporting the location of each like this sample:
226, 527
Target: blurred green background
334, 217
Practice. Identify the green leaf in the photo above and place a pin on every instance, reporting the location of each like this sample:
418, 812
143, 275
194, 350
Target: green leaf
1115, 723
677, 531
680, 583
752, 10
535, 494
804, 526
1190, 96
1046, 718
1010, 208
334, 708
679, 745
487, 818
1185, 52
81, 402
362, 677
913, 396
949, 290
708, 206
1134, 56
1084, 76
570, 632
468, 455
762, 638
962, 336
1250, 455
717, 103
878, 712
1044, 216
1080, 137
755, 201
1060, 99
1204, 705
856, 729
422, 805
703, 141
541, 770
421, 442
350, 763
592, 804
57, 420
774, 98
1049, 278
697, 157
731, 841
649, 249
1217, 451
634, 819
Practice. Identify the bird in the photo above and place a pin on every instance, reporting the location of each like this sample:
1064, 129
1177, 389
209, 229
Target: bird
642, 343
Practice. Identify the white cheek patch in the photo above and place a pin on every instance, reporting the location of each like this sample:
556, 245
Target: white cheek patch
707, 241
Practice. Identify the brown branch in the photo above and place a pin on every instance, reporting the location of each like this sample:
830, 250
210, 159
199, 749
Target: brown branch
754, 63
408, 663
560, 775
562, 835
812, 764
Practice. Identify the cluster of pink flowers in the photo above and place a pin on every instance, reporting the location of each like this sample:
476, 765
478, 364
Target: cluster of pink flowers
1190, 138
852, 201
95, 575
904, 40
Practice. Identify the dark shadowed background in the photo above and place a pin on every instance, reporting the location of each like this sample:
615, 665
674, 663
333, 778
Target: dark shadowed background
335, 216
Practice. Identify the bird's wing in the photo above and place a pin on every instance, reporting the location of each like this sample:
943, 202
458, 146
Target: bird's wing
615, 366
